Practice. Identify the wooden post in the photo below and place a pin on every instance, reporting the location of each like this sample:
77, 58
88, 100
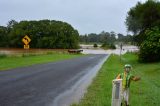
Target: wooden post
120, 52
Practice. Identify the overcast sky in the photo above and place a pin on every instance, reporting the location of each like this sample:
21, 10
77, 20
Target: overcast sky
87, 16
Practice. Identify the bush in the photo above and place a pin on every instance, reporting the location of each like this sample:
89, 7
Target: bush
108, 46
150, 47
112, 46
105, 46
95, 45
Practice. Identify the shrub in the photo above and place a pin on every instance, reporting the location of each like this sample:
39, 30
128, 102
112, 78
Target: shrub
112, 46
150, 47
108, 46
95, 45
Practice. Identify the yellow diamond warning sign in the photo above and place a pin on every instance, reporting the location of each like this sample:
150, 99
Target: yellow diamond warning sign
26, 40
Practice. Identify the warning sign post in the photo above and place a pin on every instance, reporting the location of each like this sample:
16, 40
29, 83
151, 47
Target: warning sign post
26, 40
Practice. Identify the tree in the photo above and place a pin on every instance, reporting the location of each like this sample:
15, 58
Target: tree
105, 38
3, 37
150, 48
44, 34
143, 16
112, 37
11, 23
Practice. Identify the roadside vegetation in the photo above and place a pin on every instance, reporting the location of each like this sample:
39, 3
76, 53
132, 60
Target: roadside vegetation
108, 46
143, 93
48, 34
144, 21
95, 45
9, 62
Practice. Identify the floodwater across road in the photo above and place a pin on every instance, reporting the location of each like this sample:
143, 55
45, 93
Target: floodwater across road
46, 84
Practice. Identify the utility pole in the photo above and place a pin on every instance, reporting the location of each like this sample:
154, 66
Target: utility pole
121, 52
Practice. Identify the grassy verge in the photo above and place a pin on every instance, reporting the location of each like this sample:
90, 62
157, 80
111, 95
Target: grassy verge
143, 93
8, 62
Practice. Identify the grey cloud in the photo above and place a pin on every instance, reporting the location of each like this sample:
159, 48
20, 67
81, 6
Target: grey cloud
85, 15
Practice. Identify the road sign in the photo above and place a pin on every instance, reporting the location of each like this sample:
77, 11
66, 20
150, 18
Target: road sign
26, 46
26, 40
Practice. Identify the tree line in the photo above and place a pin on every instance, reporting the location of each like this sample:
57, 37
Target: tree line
43, 34
106, 37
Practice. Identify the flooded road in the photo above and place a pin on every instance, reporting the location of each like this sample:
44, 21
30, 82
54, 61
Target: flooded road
110, 51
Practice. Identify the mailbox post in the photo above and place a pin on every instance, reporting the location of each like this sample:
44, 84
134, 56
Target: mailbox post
116, 92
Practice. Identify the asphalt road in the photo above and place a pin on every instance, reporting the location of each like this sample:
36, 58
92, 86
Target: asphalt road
39, 85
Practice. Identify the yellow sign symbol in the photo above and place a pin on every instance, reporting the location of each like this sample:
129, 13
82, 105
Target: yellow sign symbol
26, 46
26, 40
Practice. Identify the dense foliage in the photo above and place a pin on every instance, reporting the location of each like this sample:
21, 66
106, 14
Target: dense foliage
95, 45
144, 21
43, 33
143, 16
150, 48
108, 46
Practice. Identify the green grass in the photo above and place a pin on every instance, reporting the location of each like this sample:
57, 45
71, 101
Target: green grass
9, 62
145, 92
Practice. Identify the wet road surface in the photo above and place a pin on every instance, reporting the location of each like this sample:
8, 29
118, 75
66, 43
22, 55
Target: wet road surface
39, 85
